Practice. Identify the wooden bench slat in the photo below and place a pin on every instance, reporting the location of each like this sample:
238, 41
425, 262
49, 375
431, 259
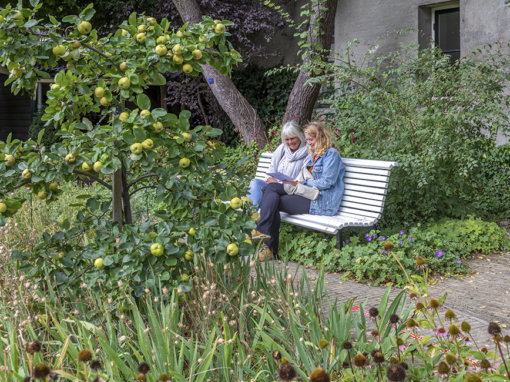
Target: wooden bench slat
354, 211
365, 170
365, 195
361, 207
370, 190
296, 220
367, 183
363, 201
369, 163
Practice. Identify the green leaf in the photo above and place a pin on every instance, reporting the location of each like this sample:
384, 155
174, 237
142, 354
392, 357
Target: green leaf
88, 14
159, 79
31, 23
132, 19
143, 101
70, 19
53, 20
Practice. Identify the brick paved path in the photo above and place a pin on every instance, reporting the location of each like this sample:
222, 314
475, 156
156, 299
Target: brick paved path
479, 298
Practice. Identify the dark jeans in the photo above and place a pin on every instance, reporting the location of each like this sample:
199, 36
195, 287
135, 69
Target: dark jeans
274, 200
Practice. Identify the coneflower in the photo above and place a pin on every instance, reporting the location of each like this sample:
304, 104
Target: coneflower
494, 329
140, 377
319, 375
85, 355
396, 373
359, 360
394, 318
163, 377
323, 343
449, 314
33, 347
143, 368
373, 312
287, 372
41, 371
277, 355
443, 368
472, 378
95, 365
465, 326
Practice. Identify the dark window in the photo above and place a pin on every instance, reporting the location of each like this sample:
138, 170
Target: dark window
447, 32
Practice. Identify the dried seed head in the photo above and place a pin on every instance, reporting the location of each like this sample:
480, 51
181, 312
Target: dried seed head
450, 358
443, 368
163, 377
374, 312
95, 365
323, 343
394, 318
420, 306
465, 326
506, 339
28, 379
41, 371
33, 347
400, 341
449, 314
347, 345
484, 364
374, 332
287, 372
484, 350
378, 356
388, 246
434, 304
359, 360
413, 295
453, 330
404, 365
143, 368
394, 361
140, 377
85, 355
494, 329
420, 261
277, 355
396, 373
411, 323
319, 375
284, 360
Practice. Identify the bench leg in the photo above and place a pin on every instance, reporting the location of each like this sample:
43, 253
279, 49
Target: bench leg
339, 240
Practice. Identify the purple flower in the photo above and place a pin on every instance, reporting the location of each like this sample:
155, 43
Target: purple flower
374, 235
401, 232
459, 261
383, 237
384, 253
347, 241
439, 254
369, 238
401, 243
410, 238
367, 235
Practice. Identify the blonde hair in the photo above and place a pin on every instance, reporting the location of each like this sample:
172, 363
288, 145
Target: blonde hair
323, 137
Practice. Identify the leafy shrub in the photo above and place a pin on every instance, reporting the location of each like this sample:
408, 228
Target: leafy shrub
444, 245
436, 120
37, 125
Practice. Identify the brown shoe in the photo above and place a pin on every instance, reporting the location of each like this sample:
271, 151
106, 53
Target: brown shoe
257, 237
264, 253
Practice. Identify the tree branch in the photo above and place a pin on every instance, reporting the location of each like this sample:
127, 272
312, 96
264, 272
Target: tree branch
139, 179
139, 189
94, 177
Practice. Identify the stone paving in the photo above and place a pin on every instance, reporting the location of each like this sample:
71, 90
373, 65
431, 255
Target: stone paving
478, 299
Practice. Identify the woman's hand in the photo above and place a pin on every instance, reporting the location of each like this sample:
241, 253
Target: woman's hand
271, 180
293, 182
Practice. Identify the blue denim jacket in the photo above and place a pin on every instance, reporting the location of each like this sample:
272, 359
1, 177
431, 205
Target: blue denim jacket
328, 173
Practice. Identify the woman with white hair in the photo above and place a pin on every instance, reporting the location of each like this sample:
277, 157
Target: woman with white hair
287, 159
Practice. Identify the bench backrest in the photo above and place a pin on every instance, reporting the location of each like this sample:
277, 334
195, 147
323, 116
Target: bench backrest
366, 183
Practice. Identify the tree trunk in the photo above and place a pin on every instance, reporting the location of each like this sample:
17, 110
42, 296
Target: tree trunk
243, 115
303, 97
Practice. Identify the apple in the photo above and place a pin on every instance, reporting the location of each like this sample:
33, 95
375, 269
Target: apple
202, 38
97, 166
123, 66
136, 148
99, 92
161, 50
152, 21
255, 216
178, 59
98, 263
70, 158
187, 69
246, 201
124, 116
184, 277
85, 166
124, 33
189, 255
140, 37
161, 40
3, 207
192, 231
236, 203
76, 44
26, 174
18, 15
54, 86
59, 50
219, 28
232, 249
177, 49
157, 249
145, 113
179, 34
148, 144
42, 194
187, 137
104, 101
10, 160
141, 28
197, 54
61, 254
184, 162
124, 83
53, 186
2, 19
158, 127
17, 72
84, 27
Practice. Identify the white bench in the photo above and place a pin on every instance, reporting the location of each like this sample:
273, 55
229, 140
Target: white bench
366, 183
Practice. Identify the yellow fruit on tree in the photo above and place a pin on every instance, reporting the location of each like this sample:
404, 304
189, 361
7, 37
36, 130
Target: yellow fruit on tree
10, 160
219, 28
161, 40
140, 37
26, 174
3, 207
157, 249
85, 166
145, 113
187, 137
42, 194
192, 231
158, 127
104, 101
123, 66
84, 27
97, 166
141, 28
148, 144
136, 148
232, 249
178, 59
184, 162
124, 83
54, 86
197, 54
236, 203
53, 186
70, 158
179, 34
177, 49
59, 50
255, 216
99, 92
98, 263
189, 255
123, 116
161, 50
187, 69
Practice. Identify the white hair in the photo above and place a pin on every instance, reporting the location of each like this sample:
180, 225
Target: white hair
291, 130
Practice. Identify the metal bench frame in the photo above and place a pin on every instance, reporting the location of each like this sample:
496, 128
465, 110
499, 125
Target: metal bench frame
366, 183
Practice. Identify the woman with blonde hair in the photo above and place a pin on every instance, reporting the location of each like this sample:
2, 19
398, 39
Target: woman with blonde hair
327, 171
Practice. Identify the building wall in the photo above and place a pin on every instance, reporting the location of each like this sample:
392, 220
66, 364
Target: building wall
373, 23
